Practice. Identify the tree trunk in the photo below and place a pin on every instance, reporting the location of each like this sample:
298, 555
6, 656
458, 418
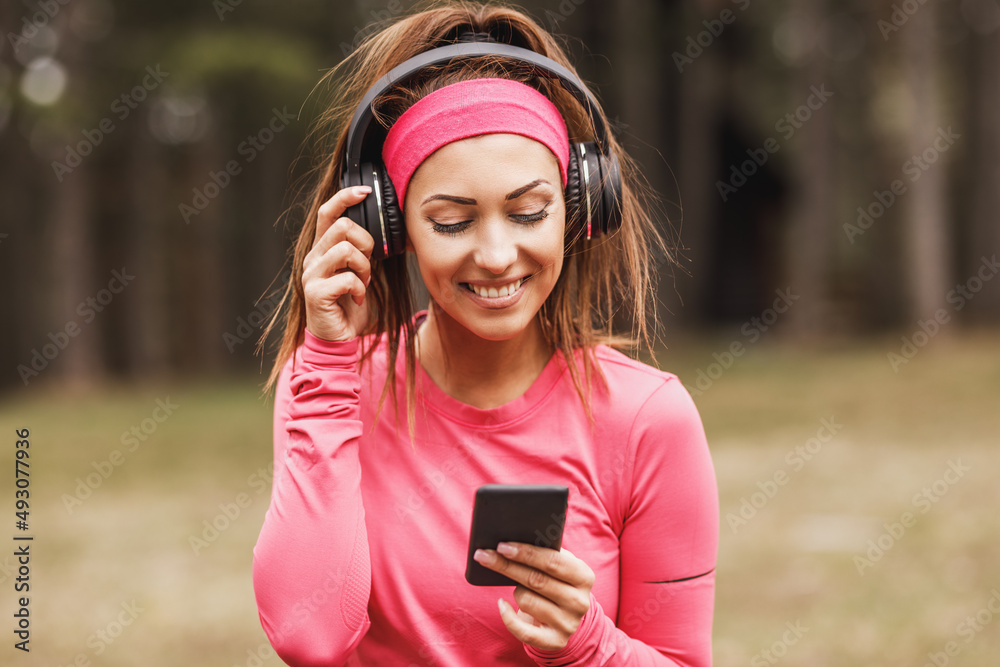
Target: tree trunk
73, 271
199, 274
985, 169
812, 228
147, 337
926, 242
697, 167
25, 314
640, 116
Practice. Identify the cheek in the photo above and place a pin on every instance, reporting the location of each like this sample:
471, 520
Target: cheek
438, 261
553, 247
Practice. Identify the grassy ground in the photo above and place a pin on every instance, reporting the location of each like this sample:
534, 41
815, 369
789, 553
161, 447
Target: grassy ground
829, 448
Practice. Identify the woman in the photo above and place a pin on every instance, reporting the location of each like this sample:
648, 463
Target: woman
509, 377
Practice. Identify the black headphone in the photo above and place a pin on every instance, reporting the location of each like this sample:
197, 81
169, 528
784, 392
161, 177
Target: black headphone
593, 180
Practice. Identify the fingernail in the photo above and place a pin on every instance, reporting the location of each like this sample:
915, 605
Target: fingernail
507, 549
482, 556
362, 189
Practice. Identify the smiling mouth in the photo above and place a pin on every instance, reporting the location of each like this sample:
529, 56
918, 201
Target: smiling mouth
496, 292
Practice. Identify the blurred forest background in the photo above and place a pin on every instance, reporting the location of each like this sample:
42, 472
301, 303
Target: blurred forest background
830, 168
813, 145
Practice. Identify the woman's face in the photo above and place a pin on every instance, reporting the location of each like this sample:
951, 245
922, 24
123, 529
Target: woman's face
485, 217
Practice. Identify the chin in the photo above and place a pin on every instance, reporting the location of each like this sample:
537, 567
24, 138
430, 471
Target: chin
486, 325
495, 328
497, 333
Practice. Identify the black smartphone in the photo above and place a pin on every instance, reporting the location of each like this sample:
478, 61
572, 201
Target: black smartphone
531, 513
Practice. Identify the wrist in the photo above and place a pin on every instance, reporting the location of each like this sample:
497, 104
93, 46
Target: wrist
581, 638
322, 352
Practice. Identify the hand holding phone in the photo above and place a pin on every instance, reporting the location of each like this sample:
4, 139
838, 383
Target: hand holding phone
530, 513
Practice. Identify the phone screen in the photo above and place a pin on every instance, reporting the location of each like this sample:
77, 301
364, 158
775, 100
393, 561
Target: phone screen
531, 513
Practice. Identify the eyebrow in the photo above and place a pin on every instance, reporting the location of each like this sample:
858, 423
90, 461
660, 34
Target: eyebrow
466, 201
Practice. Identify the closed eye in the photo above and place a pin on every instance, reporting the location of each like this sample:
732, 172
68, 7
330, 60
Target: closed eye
532, 217
459, 227
454, 228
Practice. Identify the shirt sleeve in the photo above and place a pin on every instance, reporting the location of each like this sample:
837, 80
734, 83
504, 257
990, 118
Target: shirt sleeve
311, 565
669, 545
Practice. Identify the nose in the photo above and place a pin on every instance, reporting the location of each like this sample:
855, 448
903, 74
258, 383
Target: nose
496, 247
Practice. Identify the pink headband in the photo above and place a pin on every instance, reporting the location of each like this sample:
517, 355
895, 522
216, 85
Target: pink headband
467, 109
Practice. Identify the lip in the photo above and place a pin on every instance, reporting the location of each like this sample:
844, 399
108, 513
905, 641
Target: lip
494, 302
495, 283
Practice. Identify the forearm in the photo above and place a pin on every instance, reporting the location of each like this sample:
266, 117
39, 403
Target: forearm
311, 563
599, 643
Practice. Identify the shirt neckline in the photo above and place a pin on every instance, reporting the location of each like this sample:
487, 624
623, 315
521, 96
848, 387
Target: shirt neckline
452, 408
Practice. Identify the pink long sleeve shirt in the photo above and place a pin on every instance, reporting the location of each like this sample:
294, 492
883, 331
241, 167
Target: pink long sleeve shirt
361, 558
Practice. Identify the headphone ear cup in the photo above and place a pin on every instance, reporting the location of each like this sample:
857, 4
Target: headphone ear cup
611, 194
591, 198
379, 213
574, 213
395, 222
600, 178
365, 213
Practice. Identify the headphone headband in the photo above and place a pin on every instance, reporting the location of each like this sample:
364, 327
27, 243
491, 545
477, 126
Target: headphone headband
593, 179
361, 123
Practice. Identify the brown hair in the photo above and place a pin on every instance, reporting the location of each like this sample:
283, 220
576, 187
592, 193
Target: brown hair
603, 280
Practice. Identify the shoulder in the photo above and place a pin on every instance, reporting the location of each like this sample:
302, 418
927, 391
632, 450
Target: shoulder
645, 401
620, 364
631, 382
650, 422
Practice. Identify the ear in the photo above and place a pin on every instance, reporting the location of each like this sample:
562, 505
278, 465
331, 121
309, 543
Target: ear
409, 244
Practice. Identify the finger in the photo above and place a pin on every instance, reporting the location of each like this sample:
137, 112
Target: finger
527, 630
343, 232
334, 207
345, 229
328, 290
562, 564
344, 256
528, 618
540, 582
565, 619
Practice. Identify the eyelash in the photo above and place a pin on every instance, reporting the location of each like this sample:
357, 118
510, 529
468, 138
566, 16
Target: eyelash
529, 220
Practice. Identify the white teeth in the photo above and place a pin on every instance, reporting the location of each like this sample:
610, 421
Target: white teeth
494, 292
